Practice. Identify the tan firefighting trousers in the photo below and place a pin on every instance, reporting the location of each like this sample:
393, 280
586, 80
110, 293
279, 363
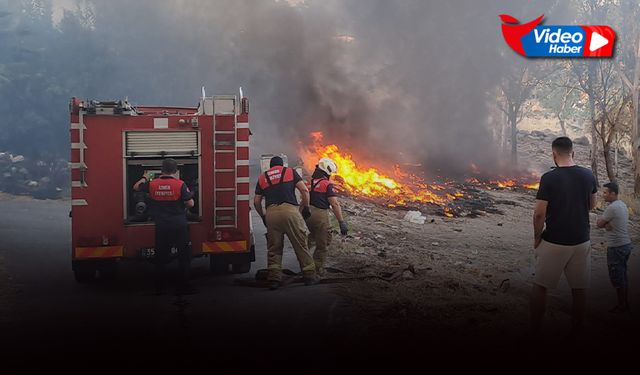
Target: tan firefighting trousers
319, 228
286, 219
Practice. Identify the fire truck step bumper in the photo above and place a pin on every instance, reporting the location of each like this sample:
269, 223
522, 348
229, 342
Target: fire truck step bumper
225, 247
98, 252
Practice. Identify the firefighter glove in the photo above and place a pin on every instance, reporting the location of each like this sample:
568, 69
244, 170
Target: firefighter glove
306, 213
343, 228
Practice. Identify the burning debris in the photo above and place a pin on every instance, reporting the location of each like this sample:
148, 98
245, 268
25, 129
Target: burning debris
402, 189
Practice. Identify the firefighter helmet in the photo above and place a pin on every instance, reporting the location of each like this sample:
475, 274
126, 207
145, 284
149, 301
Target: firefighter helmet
328, 166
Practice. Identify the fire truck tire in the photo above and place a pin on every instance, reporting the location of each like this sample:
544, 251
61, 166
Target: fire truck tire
84, 273
241, 267
217, 266
108, 270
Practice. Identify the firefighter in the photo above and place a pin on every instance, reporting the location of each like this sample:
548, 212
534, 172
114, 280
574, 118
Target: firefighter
170, 198
322, 196
283, 216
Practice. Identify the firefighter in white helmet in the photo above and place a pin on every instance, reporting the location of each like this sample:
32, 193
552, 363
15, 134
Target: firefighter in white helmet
323, 196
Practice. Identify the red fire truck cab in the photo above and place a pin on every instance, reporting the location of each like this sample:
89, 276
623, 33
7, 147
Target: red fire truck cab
114, 143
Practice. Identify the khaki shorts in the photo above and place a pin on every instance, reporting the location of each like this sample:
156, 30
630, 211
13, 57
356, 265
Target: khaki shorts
552, 260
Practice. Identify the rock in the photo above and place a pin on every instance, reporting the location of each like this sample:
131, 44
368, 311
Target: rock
407, 275
504, 285
582, 141
17, 158
538, 134
415, 217
435, 243
360, 251
32, 183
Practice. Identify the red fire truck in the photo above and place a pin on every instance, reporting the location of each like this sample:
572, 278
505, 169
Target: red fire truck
114, 143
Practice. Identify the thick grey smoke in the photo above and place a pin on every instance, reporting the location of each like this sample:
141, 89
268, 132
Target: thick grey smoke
401, 81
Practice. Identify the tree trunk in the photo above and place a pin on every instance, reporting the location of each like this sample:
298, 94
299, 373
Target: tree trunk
514, 139
503, 133
635, 142
594, 153
615, 153
564, 130
606, 150
592, 112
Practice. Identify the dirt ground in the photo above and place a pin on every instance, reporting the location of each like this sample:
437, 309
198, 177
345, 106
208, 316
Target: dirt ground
453, 281
7, 285
466, 276
6, 291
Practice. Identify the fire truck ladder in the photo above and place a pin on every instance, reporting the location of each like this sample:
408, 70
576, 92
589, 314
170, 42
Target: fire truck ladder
225, 214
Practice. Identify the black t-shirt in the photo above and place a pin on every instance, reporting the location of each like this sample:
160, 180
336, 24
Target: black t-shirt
320, 192
168, 209
280, 186
568, 192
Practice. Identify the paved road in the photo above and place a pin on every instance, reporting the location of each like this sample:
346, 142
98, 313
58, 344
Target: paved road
53, 317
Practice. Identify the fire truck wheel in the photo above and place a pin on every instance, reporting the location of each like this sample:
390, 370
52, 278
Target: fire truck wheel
241, 267
84, 273
218, 267
108, 270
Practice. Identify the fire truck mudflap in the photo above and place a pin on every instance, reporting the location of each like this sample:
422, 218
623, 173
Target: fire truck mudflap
114, 143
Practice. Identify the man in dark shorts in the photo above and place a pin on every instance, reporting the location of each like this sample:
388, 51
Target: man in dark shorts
561, 233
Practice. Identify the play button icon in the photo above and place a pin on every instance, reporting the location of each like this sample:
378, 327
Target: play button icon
597, 41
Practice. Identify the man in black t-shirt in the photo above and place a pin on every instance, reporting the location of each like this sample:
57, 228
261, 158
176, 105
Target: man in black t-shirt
277, 187
561, 232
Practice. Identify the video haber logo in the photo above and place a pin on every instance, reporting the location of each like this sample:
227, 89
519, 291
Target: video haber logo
532, 40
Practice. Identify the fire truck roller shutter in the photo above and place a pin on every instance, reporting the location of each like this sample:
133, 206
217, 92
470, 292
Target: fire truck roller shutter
162, 143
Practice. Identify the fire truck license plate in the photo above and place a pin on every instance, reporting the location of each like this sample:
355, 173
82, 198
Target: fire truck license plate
148, 252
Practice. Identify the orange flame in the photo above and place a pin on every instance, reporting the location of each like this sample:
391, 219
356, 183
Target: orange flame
371, 182
403, 188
